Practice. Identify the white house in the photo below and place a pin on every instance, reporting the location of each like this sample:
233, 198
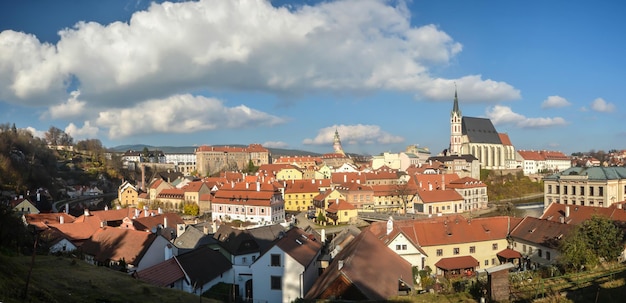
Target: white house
288, 269
256, 202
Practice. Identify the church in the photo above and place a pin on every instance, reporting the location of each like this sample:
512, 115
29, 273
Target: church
478, 137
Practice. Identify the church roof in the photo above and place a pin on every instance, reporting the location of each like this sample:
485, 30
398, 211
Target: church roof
480, 130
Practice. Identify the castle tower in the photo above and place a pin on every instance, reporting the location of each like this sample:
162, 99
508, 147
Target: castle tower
337, 144
456, 132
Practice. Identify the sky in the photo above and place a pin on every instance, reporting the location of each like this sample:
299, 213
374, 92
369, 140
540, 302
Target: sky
287, 74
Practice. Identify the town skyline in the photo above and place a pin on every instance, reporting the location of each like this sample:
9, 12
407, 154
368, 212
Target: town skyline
287, 74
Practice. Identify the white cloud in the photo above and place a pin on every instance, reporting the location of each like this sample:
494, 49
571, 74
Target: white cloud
555, 101
181, 114
80, 133
275, 144
600, 105
36, 133
344, 45
71, 108
354, 134
499, 114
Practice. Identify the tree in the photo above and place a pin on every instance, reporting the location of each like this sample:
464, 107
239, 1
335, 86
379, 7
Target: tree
405, 192
55, 136
595, 240
191, 209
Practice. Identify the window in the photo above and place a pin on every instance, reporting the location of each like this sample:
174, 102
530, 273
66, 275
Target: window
275, 260
591, 191
565, 190
400, 246
472, 249
494, 246
244, 260
439, 252
539, 253
573, 190
548, 255
276, 282
600, 191
455, 250
493, 261
582, 190
486, 262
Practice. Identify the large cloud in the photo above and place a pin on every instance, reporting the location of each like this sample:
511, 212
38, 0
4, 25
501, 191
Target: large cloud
345, 45
181, 114
354, 134
504, 115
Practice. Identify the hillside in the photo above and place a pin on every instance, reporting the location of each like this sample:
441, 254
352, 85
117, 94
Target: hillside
62, 279
190, 149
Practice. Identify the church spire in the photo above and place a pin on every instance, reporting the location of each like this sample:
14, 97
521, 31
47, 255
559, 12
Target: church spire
455, 107
337, 144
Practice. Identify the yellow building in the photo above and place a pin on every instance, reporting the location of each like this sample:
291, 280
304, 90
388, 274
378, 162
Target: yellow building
289, 173
341, 212
127, 194
299, 194
320, 202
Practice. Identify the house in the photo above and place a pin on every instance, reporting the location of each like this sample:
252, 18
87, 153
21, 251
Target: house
320, 202
441, 201
299, 194
538, 240
465, 165
126, 248
474, 193
259, 203
287, 270
365, 269
22, 206
341, 212
392, 197
194, 190
194, 272
127, 194
425, 243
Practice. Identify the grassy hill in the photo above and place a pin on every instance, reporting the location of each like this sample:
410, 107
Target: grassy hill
62, 279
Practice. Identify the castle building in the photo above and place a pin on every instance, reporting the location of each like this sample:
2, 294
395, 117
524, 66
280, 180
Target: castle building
478, 137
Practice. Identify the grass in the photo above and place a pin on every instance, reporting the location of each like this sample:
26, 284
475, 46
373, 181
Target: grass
62, 279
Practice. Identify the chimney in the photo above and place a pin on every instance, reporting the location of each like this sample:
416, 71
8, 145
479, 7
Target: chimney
443, 182
339, 264
430, 186
205, 229
67, 208
247, 185
106, 207
160, 210
389, 225
164, 221
61, 219
566, 211
180, 229
312, 181
258, 186
118, 207
323, 235
136, 213
103, 224
86, 212
345, 178
168, 251
145, 211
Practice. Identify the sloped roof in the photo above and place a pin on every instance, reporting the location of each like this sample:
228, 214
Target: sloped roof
593, 173
244, 241
369, 266
203, 265
480, 130
191, 238
460, 262
504, 138
162, 274
433, 196
556, 212
339, 204
147, 223
301, 246
543, 232
508, 253
115, 244
448, 229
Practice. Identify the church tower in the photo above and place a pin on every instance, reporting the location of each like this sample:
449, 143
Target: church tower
456, 132
337, 144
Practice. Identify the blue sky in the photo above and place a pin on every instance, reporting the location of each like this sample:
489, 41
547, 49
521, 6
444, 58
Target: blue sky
288, 73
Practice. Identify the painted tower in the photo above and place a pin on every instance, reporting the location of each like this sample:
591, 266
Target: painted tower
337, 144
456, 132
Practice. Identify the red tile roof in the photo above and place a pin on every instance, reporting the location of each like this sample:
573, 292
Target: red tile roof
116, 244
579, 213
163, 274
433, 196
337, 205
301, 246
509, 254
504, 138
460, 262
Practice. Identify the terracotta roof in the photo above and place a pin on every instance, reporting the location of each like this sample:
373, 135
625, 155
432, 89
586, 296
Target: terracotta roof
163, 274
115, 244
504, 138
531, 155
425, 182
194, 186
301, 246
147, 223
48, 218
337, 205
447, 229
556, 212
432, 196
466, 182
76, 232
348, 177
509, 254
362, 259
542, 232
460, 262
303, 186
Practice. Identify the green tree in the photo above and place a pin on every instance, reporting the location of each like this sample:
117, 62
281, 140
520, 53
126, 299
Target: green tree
191, 209
595, 240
